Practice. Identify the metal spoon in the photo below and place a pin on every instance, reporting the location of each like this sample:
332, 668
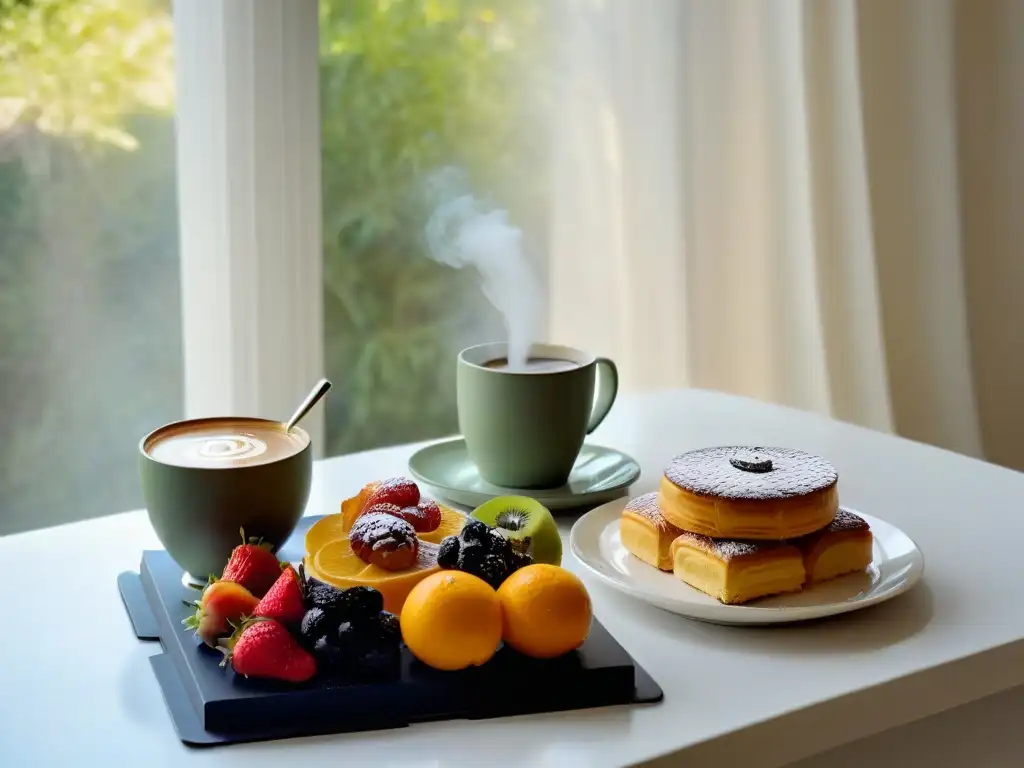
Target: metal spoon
318, 391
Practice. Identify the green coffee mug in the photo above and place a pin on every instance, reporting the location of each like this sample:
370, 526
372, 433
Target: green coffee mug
204, 480
525, 426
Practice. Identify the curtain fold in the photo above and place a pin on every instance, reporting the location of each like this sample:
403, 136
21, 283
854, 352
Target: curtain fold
907, 74
844, 246
768, 199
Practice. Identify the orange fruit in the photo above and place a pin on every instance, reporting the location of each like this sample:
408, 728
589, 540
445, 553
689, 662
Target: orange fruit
452, 620
335, 563
546, 611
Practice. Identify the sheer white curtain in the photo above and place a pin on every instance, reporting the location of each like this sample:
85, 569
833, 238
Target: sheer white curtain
803, 202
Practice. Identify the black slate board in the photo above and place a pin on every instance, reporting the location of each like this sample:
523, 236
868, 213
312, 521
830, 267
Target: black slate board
212, 705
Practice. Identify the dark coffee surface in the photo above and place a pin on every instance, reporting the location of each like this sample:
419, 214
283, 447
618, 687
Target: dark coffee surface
533, 365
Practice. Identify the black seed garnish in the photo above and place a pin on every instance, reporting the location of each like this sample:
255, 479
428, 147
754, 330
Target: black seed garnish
751, 462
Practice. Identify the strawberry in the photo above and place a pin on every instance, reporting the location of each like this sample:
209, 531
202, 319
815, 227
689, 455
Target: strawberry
399, 491
423, 517
265, 648
427, 516
252, 565
385, 508
284, 600
222, 603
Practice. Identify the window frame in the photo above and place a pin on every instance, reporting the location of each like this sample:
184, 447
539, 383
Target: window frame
249, 206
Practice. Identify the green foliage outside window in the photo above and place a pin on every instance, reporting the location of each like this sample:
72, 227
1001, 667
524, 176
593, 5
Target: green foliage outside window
88, 226
406, 88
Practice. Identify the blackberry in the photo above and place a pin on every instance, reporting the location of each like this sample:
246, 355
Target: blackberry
499, 545
330, 657
471, 558
349, 634
475, 532
315, 624
359, 602
509, 564
380, 630
495, 570
371, 646
376, 662
519, 560
323, 595
478, 546
490, 567
448, 552
499, 548
390, 627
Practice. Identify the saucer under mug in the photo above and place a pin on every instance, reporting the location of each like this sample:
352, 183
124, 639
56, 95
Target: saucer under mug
599, 475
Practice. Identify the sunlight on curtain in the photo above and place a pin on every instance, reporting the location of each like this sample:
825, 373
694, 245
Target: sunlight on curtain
771, 202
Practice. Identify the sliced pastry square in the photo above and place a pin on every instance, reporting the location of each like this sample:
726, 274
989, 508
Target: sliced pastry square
646, 533
843, 546
736, 572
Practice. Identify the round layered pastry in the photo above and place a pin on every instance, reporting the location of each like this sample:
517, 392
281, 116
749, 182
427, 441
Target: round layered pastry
739, 492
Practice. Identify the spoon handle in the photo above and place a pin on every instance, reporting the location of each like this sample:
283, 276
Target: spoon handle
311, 399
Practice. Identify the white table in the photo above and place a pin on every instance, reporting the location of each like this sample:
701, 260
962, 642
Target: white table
76, 687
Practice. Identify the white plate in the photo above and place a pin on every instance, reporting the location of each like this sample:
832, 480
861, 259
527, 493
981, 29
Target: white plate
897, 565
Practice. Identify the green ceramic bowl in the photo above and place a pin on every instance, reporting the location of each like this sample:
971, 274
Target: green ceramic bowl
197, 512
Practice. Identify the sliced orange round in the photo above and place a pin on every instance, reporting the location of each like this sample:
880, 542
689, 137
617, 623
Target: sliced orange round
451, 523
324, 531
336, 563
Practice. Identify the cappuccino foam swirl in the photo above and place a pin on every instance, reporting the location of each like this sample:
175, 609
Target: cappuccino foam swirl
229, 447
224, 443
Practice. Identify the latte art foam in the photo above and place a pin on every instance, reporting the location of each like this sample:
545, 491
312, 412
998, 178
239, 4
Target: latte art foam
224, 443
229, 447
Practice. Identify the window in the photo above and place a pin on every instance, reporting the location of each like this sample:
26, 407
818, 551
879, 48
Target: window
313, 140
431, 113
205, 227
90, 341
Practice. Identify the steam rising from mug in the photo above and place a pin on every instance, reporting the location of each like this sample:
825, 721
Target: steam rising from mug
463, 231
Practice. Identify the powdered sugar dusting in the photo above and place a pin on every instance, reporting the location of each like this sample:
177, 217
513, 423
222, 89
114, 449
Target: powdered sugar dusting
646, 506
708, 472
845, 520
416, 516
381, 531
730, 549
385, 508
400, 491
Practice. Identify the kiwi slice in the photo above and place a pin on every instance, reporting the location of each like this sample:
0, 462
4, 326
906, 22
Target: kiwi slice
526, 523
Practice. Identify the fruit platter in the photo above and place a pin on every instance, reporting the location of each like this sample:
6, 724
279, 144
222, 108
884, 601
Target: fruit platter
394, 610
